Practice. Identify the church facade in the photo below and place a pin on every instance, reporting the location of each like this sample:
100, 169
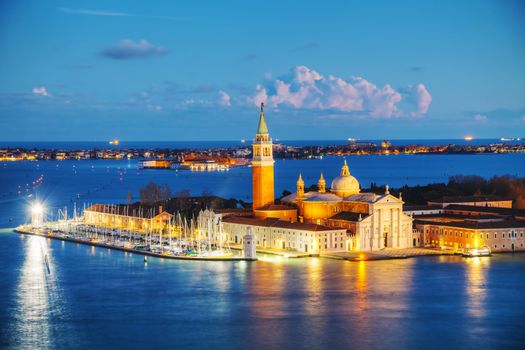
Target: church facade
328, 220
373, 221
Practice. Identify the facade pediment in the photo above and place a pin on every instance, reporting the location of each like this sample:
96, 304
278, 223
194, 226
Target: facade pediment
388, 199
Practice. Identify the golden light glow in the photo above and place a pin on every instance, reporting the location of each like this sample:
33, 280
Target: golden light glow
476, 289
37, 208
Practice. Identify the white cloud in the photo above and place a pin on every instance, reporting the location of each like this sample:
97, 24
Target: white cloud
128, 49
480, 118
224, 99
42, 91
421, 97
308, 89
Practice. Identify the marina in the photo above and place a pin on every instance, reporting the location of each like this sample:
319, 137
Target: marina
138, 249
173, 238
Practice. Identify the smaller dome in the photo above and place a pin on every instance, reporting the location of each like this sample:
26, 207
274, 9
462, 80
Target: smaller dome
345, 184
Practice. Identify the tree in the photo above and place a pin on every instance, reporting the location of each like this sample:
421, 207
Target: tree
165, 192
153, 193
184, 193
150, 193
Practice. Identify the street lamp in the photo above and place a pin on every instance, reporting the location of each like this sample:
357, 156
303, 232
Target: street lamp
37, 214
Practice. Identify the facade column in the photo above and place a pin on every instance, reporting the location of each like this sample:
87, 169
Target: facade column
399, 213
390, 236
380, 231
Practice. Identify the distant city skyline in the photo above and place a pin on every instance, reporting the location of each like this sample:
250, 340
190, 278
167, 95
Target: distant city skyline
158, 70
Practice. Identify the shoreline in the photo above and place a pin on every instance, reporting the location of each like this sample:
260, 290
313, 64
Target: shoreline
230, 153
342, 256
129, 250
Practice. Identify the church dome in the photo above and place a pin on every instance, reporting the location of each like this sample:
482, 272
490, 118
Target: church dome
345, 184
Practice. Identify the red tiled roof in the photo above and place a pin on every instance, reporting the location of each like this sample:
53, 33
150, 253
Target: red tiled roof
271, 207
475, 224
348, 216
462, 199
274, 222
137, 211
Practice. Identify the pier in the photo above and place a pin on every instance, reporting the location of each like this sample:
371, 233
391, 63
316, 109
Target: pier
118, 245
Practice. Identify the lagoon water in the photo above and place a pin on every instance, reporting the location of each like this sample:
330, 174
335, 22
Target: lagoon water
61, 295
99, 299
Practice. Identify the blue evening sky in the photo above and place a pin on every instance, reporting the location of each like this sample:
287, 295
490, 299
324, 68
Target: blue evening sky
196, 70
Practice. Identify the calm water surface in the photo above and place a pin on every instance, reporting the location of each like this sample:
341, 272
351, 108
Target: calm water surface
62, 295
88, 297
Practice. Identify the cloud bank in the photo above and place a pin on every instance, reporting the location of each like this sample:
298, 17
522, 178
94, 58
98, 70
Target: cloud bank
129, 49
307, 89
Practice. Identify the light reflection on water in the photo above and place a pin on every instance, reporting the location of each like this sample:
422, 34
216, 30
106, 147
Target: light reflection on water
272, 303
37, 294
475, 287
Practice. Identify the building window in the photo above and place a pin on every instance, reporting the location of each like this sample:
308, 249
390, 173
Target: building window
495, 235
503, 235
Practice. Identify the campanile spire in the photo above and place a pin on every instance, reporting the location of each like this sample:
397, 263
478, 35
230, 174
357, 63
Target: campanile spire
262, 165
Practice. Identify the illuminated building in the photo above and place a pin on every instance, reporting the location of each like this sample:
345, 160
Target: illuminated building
339, 219
276, 233
262, 176
125, 217
372, 221
469, 226
262, 166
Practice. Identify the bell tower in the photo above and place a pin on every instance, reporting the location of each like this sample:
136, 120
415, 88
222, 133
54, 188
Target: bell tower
262, 165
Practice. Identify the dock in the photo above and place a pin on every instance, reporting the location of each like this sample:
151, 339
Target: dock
55, 236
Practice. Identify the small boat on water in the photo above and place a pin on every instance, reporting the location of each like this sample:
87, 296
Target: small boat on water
474, 252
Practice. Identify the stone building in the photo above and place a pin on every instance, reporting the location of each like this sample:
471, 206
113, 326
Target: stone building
337, 219
466, 226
